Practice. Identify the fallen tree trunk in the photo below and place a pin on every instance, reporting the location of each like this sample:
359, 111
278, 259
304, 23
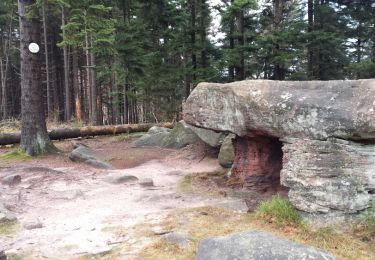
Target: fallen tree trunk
68, 133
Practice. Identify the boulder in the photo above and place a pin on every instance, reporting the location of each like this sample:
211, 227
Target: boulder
329, 176
181, 136
6, 215
11, 180
2, 254
146, 182
154, 137
84, 154
315, 109
212, 138
120, 179
316, 138
226, 154
256, 245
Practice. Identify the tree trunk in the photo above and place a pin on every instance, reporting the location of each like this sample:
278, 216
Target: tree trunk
34, 136
48, 80
373, 32
231, 44
241, 42
68, 133
88, 74
193, 38
68, 111
94, 93
310, 18
203, 34
77, 92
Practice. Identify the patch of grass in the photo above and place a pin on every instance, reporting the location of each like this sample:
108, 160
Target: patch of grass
17, 155
365, 229
184, 184
8, 228
279, 211
202, 183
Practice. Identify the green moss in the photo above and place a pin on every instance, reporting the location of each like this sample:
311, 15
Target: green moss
8, 228
279, 211
129, 136
17, 154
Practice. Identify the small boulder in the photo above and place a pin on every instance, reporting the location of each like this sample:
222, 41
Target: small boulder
146, 182
84, 154
178, 238
256, 245
210, 137
226, 154
6, 215
2, 254
181, 136
11, 180
121, 179
31, 224
154, 137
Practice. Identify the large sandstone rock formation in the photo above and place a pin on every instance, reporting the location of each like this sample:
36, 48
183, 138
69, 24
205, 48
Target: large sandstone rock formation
294, 133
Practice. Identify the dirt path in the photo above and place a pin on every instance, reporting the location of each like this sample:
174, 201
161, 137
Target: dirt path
82, 211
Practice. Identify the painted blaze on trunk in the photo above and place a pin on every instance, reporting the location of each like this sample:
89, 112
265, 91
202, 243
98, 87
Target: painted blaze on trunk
34, 137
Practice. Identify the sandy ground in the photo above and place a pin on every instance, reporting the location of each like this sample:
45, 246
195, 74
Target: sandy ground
81, 211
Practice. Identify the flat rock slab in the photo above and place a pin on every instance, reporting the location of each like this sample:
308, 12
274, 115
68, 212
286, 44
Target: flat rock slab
84, 154
256, 245
299, 109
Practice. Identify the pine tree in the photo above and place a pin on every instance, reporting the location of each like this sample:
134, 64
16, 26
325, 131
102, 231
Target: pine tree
34, 137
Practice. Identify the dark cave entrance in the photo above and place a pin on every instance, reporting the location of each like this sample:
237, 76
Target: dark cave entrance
258, 163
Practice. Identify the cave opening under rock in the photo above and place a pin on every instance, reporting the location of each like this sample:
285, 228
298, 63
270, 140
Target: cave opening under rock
258, 163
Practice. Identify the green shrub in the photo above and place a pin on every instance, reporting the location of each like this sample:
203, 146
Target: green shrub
279, 211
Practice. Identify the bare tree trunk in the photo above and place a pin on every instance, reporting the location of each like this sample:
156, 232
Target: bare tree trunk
193, 37
48, 80
77, 92
68, 111
231, 44
310, 15
94, 94
88, 73
34, 136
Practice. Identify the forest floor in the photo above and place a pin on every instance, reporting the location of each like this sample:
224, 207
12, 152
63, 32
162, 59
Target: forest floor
82, 213
69, 210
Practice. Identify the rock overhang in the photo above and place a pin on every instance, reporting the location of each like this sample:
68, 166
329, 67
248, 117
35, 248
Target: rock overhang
313, 120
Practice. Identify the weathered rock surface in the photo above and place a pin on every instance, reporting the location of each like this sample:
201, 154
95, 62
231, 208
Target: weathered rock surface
154, 137
324, 175
146, 182
181, 136
178, 238
333, 175
256, 245
120, 179
226, 154
6, 215
84, 154
212, 138
258, 162
316, 109
2, 254
11, 180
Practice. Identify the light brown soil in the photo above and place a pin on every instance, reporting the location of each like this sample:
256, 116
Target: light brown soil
83, 214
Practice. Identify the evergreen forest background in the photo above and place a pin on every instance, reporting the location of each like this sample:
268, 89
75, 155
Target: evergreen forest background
134, 61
